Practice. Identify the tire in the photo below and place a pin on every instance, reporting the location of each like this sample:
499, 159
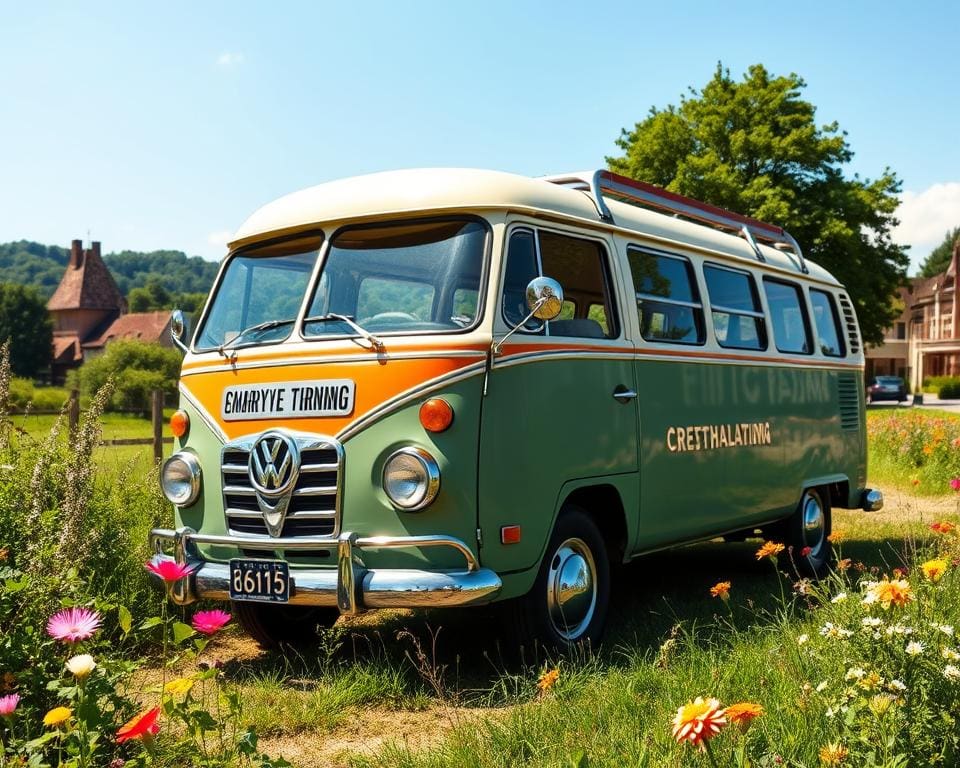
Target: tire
568, 603
274, 626
809, 526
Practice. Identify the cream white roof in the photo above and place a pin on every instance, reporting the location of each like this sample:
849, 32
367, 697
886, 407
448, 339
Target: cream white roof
465, 189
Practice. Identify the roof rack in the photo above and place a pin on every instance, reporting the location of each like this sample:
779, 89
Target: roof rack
641, 194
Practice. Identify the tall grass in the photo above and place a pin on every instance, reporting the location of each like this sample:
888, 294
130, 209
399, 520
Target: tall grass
914, 448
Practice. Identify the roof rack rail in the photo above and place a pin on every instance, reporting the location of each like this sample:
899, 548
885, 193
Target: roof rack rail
639, 193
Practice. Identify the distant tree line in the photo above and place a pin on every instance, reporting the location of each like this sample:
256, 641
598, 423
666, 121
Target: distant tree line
176, 274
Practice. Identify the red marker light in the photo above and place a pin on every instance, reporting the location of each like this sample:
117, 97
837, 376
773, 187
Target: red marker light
510, 534
436, 415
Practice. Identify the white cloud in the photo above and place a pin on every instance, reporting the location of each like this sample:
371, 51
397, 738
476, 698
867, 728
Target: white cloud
220, 238
229, 59
926, 217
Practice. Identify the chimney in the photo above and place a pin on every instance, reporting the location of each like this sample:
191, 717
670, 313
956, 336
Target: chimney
76, 254
96, 248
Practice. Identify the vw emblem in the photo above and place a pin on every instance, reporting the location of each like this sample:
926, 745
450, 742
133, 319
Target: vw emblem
274, 464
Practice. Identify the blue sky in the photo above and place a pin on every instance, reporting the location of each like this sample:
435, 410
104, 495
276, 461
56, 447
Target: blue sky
165, 125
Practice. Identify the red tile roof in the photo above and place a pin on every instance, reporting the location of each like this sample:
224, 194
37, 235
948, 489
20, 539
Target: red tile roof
143, 326
86, 284
66, 349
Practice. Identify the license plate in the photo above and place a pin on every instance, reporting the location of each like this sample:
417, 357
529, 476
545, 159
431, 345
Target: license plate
265, 581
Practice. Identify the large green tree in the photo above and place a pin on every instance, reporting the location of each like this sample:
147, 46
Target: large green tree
939, 258
754, 147
26, 324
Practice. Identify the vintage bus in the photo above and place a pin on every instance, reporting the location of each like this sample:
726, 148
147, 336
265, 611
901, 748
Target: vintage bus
447, 387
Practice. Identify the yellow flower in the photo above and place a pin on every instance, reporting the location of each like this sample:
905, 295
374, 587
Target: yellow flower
179, 686
769, 549
548, 680
833, 754
721, 589
81, 666
57, 716
887, 593
698, 721
934, 569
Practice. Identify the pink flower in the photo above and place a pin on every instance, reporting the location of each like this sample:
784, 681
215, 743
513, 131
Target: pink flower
73, 624
8, 704
955, 483
209, 622
168, 570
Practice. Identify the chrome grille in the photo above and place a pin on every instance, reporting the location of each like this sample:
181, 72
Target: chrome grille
315, 505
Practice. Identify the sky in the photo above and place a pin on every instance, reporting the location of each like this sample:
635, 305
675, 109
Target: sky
164, 125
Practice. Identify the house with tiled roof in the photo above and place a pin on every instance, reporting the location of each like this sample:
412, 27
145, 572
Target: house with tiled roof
925, 340
89, 311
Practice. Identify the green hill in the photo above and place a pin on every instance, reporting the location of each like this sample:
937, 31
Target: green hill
41, 266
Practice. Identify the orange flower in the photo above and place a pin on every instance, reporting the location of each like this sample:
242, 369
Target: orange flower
844, 564
548, 680
833, 754
769, 549
887, 593
742, 714
934, 569
721, 589
698, 721
943, 527
836, 537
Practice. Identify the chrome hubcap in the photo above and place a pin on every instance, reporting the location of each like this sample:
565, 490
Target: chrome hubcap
814, 524
571, 589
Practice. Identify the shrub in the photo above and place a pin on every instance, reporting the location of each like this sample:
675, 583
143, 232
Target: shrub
23, 395
949, 390
136, 368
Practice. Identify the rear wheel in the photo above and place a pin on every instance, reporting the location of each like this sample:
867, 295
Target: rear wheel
807, 532
568, 602
273, 626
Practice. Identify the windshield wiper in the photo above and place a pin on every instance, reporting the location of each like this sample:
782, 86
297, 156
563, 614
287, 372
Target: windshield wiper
266, 325
375, 342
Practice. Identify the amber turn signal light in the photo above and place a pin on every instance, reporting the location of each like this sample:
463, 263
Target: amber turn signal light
436, 415
179, 423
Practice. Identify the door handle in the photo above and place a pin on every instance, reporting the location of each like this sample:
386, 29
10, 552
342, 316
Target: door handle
623, 395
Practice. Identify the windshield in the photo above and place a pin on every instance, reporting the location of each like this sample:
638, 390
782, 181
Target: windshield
264, 287
402, 278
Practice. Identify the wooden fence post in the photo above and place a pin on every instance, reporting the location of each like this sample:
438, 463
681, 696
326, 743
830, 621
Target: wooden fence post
73, 411
157, 402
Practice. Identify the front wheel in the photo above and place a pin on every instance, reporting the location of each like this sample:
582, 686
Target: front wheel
808, 531
273, 626
568, 602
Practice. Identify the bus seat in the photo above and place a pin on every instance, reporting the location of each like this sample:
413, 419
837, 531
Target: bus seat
584, 328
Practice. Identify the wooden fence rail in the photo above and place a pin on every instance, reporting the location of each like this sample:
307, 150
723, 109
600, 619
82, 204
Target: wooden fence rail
156, 418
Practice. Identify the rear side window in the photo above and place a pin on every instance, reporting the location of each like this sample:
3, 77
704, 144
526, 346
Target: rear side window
668, 301
735, 307
791, 329
827, 320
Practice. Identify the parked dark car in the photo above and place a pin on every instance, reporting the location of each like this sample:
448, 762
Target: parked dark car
886, 388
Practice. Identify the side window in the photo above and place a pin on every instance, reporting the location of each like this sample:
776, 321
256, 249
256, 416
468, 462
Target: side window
735, 306
578, 265
791, 329
827, 320
668, 301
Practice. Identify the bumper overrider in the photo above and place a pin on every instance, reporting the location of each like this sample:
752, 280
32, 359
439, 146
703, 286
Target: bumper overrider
350, 586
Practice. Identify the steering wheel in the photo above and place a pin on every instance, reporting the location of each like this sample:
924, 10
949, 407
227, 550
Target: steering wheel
388, 316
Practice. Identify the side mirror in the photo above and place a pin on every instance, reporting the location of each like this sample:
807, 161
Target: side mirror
178, 325
544, 298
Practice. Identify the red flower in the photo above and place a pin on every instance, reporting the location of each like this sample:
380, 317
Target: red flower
142, 726
209, 622
955, 483
943, 527
805, 552
168, 570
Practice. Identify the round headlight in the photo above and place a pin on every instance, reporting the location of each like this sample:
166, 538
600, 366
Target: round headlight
180, 479
411, 479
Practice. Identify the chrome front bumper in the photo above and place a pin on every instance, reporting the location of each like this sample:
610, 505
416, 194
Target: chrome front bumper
350, 586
